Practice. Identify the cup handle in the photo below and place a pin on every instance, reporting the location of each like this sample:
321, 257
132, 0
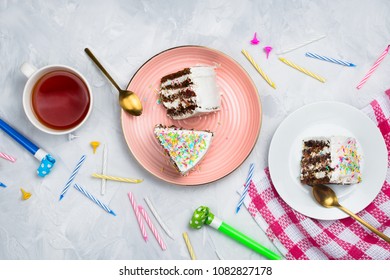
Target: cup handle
28, 69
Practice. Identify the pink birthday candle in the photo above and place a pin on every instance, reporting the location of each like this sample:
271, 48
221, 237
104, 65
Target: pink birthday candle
373, 68
138, 216
7, 157
160, 241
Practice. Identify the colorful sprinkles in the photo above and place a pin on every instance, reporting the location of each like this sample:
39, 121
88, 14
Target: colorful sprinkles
185, 147
349, 160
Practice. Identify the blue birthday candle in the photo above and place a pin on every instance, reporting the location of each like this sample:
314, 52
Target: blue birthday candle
247, 184
94, 199
329, 59
72, 176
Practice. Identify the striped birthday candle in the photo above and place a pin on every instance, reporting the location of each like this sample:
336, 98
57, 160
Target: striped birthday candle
94, 199
189, 246
373, 67
148, 221
138, 216
115, 178
329, 59
303, 70
258, 69
72, 176
247, 184
7, 157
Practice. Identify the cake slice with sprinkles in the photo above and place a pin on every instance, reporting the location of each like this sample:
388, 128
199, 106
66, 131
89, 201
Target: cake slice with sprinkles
185, 147
330, 160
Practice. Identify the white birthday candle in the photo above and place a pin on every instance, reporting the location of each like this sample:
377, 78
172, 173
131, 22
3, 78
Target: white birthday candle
158, 218
301, 45
104, 169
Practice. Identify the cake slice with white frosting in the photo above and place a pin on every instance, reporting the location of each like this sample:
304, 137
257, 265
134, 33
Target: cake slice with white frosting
190, 92
330, 160
185, 147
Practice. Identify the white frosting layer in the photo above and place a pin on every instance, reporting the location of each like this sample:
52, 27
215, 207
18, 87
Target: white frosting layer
204, 84
345, 159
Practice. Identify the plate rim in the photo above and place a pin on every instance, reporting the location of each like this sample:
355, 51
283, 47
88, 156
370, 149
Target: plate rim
272, 147
185, 184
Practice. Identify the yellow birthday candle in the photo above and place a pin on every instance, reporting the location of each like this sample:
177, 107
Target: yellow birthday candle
303, 70
189, 246
115, 178
258, 69
25, 195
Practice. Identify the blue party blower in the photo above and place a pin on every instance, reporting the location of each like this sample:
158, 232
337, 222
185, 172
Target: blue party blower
47, 161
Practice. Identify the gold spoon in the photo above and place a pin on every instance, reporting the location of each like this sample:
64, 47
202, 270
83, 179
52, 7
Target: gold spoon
128, 100
327, 198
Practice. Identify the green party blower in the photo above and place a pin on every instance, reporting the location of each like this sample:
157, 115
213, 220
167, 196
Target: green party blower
202, 216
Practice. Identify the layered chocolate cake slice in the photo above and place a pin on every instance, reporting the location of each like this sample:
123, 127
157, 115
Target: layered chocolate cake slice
190, 92
330, 160
185, 147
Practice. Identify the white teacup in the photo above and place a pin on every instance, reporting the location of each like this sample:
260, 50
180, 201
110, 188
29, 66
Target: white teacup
57, 99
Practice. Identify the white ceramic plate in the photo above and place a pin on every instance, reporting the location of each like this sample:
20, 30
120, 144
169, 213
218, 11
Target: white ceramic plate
327, 119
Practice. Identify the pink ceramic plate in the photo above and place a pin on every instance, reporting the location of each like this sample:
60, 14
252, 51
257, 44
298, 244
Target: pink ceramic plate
236, 126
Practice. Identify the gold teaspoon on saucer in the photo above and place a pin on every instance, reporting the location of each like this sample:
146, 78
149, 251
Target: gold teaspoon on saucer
128, 100
327, 198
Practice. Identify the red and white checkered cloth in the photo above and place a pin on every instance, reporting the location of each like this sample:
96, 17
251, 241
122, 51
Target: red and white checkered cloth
300, 237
